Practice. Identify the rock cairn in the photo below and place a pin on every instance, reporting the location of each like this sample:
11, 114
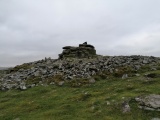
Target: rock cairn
83, 51
75, 62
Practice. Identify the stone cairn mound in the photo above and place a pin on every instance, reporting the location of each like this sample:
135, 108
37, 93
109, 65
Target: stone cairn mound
83, 51
83, 65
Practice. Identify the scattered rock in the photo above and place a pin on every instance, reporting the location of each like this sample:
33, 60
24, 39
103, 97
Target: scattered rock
108, 103
37, 73
22, 86
52, 83
155, 119
125, 107
153, 69
60, 83
92, 80
137, 75
32, 85
145, 61
125, 76
151, 102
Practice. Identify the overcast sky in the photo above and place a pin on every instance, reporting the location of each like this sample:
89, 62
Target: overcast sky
33, 29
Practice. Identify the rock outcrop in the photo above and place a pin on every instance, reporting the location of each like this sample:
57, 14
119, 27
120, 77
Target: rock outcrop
83, 51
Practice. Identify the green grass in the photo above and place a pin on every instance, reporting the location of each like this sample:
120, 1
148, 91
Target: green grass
99, 101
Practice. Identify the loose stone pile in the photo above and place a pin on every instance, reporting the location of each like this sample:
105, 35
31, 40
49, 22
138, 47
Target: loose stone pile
70, 68
74, 62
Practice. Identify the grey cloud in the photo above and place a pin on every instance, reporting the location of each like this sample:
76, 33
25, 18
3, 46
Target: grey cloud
34, 29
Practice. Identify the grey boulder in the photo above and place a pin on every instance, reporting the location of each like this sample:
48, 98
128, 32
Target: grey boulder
150, 102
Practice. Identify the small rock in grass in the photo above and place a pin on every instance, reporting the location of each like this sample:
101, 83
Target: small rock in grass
61, 83
155, 119
125, 76
108, 103
125, 107
52, 83
137, 75
150, 102
92, 80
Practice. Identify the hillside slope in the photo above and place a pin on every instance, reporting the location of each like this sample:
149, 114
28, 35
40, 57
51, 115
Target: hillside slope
99, 101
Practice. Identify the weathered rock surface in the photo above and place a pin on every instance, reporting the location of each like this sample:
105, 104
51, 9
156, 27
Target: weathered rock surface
92, 80
83, 51
125, 107
155, 119
151, 102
